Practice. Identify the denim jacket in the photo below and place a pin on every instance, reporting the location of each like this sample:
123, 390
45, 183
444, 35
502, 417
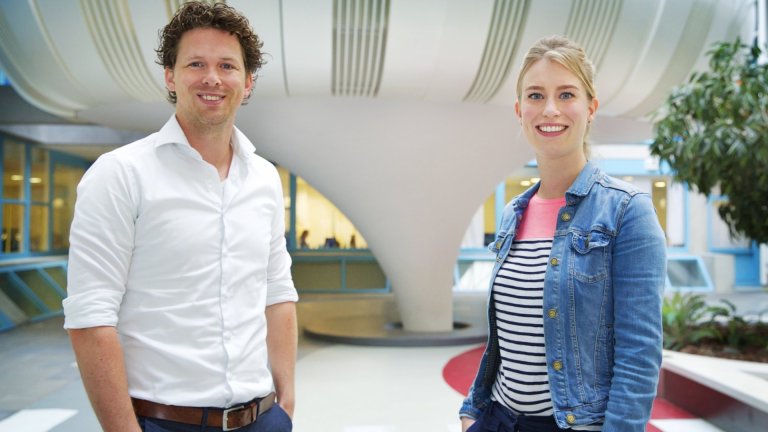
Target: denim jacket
602, 305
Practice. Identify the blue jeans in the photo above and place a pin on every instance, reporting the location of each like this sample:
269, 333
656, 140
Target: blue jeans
274, 420
497, 418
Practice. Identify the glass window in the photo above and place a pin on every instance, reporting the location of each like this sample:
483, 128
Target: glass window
18, 297
44, 291
39, 181
675, 216
319, 224
659, 197
489, 218
515, 185
59, 275
365, 275
317, 275
684, 273
38, 228
687, 273
13, 228
66, 179
13, 170
285, 180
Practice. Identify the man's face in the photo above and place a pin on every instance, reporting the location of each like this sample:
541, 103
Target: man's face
209, 78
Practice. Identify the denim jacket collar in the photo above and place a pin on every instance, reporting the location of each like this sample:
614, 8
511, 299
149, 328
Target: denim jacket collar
583, 183
588, 176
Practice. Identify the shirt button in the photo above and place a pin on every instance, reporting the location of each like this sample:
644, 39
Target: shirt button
498, 244
557, 365
554, 261
552, 313
570, 419
565, 217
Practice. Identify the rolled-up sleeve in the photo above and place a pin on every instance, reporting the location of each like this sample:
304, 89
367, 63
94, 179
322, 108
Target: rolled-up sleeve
101, 245
280, 286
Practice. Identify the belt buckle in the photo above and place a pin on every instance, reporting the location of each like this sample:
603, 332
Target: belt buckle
225, 417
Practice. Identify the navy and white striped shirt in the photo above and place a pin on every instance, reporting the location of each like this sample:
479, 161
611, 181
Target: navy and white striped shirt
522, 384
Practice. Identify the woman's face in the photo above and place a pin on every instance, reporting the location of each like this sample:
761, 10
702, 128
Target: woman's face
554, 111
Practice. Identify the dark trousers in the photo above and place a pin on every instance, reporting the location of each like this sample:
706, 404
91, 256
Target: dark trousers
274, 420
498, 418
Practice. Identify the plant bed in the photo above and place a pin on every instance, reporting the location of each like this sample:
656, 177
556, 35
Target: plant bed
694, 327
721, 351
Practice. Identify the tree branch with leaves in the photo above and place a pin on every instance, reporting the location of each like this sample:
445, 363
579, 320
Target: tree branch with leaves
713, 132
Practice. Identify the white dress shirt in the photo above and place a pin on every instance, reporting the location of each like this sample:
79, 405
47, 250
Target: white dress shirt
183, 264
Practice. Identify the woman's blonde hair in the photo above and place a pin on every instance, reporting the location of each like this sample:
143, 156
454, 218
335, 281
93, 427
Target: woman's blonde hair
571, 56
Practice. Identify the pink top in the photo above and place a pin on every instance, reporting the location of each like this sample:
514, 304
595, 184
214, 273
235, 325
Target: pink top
540, 218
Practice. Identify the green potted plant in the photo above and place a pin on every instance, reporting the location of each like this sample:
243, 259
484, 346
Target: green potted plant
686, 320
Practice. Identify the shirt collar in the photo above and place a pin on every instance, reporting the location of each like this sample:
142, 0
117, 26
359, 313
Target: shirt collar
242, 145
171, 133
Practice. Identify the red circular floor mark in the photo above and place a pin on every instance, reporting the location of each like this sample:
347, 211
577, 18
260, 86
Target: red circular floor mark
460, 370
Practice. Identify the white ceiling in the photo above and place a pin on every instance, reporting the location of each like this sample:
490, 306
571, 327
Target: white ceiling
93, 60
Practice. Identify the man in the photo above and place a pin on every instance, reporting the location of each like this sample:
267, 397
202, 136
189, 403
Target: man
181, 306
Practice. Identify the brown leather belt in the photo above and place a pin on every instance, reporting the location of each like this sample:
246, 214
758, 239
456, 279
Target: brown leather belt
227, 419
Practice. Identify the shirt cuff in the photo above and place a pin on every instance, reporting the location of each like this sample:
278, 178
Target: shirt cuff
94, 308
281, 291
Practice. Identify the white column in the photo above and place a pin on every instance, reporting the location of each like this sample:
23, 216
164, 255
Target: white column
410, 175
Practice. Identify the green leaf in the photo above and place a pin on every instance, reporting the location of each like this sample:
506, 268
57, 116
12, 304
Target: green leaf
713, 130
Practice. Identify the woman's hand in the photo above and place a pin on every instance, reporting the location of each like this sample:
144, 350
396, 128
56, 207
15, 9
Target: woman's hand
466, 423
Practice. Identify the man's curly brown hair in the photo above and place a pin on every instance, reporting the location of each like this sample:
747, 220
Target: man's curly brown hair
197, 14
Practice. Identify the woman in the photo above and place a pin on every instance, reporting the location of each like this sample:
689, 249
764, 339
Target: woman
575, 307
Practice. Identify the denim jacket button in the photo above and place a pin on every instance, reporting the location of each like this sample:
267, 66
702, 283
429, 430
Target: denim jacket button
552, 313
554, 261
565, 217
570, 419
557, 365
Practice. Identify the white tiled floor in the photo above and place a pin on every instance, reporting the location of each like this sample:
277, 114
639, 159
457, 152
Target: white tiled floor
375, 389
34, 420
340, 388
685, 425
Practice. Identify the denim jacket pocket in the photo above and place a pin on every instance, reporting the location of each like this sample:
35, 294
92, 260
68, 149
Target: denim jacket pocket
495, 246
590, 258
